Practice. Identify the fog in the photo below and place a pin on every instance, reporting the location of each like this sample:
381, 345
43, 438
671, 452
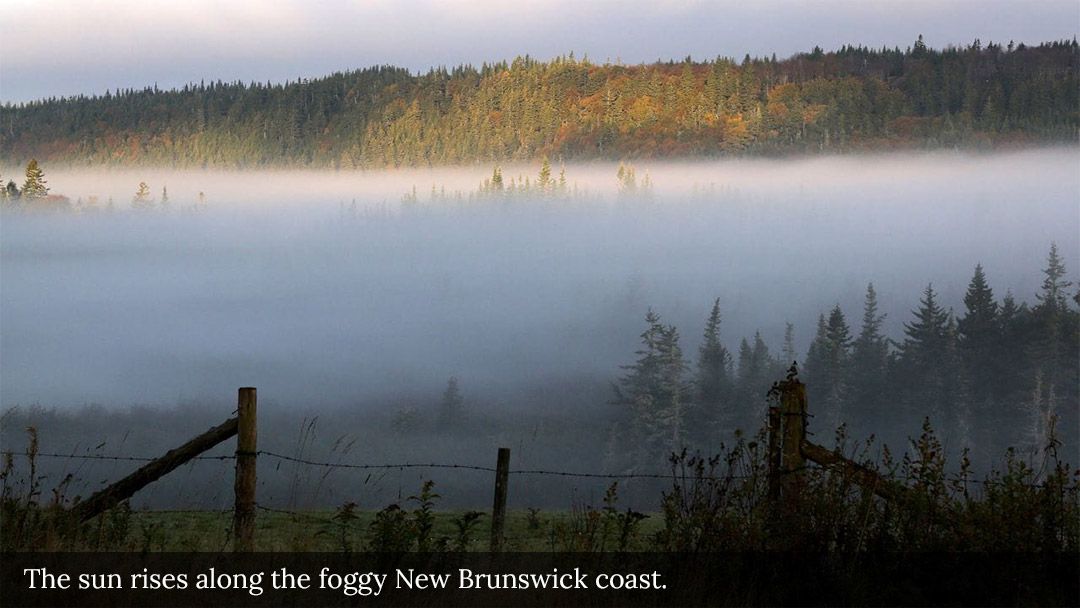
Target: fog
322, 289
349, 308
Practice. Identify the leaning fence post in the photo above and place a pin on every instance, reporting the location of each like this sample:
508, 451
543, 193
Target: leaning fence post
498, 510
793, 413
246, 448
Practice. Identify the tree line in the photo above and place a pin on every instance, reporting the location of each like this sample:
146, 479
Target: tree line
999, 374
35, 195
849, 99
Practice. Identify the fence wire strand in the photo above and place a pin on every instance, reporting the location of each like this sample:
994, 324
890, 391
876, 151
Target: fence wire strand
486, 469
108, 457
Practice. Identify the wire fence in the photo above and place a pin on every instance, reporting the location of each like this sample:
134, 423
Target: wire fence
487, 469
107, 457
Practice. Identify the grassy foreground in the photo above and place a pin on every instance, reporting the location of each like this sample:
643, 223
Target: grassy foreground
331, 531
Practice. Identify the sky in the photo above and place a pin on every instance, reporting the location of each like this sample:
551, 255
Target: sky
60, 48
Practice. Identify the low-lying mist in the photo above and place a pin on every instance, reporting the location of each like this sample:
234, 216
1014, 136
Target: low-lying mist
280, 284
337, 299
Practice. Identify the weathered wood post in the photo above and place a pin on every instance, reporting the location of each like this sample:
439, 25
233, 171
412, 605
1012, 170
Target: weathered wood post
793, 414
774, 453
246, 450
498, 510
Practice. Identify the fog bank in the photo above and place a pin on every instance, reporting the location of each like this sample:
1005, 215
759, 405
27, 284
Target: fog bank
280, 284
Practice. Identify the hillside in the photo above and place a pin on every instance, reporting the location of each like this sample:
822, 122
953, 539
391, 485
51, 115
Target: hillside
851, 99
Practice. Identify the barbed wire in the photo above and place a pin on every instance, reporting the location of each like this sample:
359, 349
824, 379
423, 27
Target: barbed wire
542, 472
309, 516
413, 465
107, 457
347, 465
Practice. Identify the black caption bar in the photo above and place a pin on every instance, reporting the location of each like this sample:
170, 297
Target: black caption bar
170, 580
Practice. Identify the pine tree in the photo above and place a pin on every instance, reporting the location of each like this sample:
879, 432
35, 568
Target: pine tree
452, 405
790, 355
869, 364
675, 392
1055, 346
979, 336
922, 358
827, 370
544, 181
165, 197
713, 379
752, 380
1054, 287
34, 187
656, 393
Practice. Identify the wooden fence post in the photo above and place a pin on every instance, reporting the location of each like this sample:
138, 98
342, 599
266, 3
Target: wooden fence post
498, 510
793, 414
246, 451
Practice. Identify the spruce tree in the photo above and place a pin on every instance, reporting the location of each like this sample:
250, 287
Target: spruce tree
922, 358
979, 336
753, 378
656, 394
827, 368
1055, 346
544, 181
452, 405
1054, 287
869, 364
34, 187
813, 369
790, 355
713, 379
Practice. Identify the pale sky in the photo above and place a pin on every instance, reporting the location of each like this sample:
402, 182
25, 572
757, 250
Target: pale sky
52, 48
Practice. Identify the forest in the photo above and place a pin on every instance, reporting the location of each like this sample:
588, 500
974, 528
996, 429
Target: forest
851, 99
998, 375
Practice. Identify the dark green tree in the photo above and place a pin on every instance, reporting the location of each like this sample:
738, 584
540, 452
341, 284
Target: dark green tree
979, 337
1055, 343
452, 406
713, 409
790, 356
656, 393
867, 381
754, 376
923, 361
544, 181
827, 368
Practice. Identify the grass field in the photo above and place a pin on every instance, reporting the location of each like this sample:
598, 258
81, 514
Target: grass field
327, 531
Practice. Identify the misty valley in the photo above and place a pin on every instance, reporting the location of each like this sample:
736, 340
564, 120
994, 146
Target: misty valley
595, 318
540, 304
